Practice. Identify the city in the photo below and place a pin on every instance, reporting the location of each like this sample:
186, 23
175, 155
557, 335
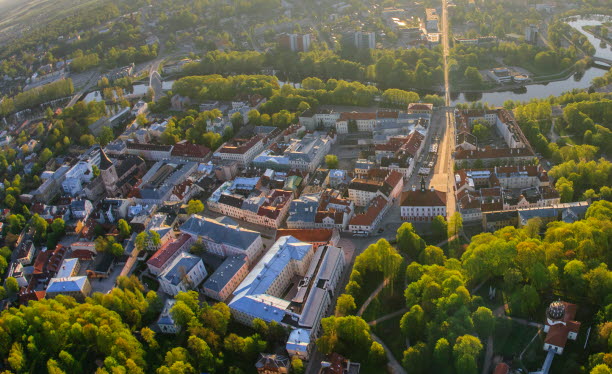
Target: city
318, 187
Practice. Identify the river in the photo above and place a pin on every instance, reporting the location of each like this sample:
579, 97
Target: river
579, 81
576, 81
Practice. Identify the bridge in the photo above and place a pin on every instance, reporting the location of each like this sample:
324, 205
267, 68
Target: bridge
155, 83
601, 59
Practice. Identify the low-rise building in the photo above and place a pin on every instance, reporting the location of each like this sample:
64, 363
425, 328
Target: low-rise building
560, 326
423, 205
226, 278
242, 151
165, 322
224, 237
377, 182
320, 210
365, 224
185, 273
311, 276
77, 287
273, 364
168, 252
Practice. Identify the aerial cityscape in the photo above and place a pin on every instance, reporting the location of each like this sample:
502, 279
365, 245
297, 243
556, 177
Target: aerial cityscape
305, 186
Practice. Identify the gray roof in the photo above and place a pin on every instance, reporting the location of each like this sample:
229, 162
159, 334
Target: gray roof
222, 232
180, 266
304, 209
217, 281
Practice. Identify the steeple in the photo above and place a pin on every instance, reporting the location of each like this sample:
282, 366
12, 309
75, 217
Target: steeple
105, 163
422, 184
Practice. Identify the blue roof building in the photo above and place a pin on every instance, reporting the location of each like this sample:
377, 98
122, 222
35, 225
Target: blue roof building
77, 287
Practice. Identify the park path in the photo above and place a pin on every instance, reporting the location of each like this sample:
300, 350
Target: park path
393, 366
388, 316
372, 296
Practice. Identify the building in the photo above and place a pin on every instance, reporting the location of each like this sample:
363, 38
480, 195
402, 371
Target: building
365, 39
320, 210
158, 184
376, 182
560, 326
298, 344
168, 252
241, 150
185, 151
26, 251
150, 152
80, 173
226, 278
532, 34
310, 276
69, 268
317, 237
305, 154
423, 205
77, 287
431, 20
165, 322
273, 364
322, 118
355, 121
337, 364
295, 42
185, 273
365, 224
420, 108
241, 200
224, 237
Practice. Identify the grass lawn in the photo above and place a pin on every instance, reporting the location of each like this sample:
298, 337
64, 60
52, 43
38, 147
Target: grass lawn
510, 338
389, 299
389, 332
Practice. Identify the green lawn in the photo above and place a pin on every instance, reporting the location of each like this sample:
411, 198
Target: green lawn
151, 283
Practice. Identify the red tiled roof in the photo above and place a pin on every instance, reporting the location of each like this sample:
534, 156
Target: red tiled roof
393, 179
374, 209
182, 188
420, 106
307, 235
424, 198
557, 336
240, 146
501, 368
186, 149
167, 250
414, 142
387, 114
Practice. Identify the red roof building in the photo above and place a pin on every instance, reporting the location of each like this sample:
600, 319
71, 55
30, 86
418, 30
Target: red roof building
168, 252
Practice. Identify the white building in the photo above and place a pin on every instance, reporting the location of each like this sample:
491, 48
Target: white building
423, 205
80, 173
185, 273
241, 150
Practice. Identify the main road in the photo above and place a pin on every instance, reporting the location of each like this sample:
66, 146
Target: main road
443, 178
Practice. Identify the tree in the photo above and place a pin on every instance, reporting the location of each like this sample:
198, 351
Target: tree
480, 131
416, 359
297, 365
484, 321
413, 322
345, 305
124, 228
11, 285
10, 201
181, 313
377, 355
194, 207
2, 293
409, 241
331, 161
87, 140
439, 228
472, 76
106, 136
601, 369
533, 227
202, 353
442, 357
432, 255
254, 117
566, 189
116, 249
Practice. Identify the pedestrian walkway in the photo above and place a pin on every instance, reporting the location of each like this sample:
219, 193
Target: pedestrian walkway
372, 296
394, 366
388, 316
